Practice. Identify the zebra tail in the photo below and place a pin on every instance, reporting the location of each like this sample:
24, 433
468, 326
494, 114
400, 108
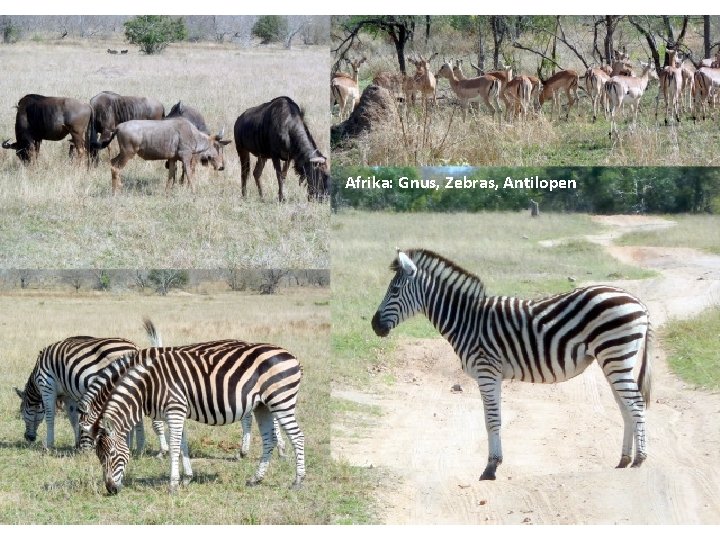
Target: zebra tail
645, 382
152, 333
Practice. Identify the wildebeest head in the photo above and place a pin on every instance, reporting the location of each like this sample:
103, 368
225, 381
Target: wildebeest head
315, 172
212, 153
25, 152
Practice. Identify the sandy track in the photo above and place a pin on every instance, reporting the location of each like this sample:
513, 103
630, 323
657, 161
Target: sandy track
561, 441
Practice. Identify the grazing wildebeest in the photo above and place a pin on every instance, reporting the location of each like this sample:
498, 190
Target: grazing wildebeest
47, 118
109, 110
276, 130
174, 139
180, 110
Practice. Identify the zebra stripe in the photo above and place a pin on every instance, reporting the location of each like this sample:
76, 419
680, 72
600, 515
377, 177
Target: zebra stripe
214, 383
545, 341
65, 370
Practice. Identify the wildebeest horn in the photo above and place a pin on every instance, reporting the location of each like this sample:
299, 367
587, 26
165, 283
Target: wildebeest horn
6, 144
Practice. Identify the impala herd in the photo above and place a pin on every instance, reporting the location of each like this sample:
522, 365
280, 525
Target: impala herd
684, 87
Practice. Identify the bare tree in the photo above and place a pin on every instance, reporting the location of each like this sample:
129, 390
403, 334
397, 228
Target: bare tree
271, 280
166, 279
235, 279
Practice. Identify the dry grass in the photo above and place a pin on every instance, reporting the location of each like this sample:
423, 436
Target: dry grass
54, 210
64, 487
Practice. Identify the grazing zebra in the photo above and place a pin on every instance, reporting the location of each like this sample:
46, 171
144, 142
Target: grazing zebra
549, 340
65, 370
215, 383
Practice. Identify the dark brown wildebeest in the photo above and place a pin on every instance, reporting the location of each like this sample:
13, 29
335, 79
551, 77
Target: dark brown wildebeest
109, 110
174, 139
276, 130
47, 118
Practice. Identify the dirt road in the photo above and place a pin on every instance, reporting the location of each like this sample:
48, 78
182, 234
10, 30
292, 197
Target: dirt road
560, 442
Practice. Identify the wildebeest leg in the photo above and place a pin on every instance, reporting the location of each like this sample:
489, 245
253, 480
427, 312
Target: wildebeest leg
172, 164
244, 156
257, 171
187, 171
280, 172
116, 165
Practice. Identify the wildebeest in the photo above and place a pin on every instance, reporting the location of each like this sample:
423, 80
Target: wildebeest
276, 130
174, 139
48, 118
180, 110
109, 110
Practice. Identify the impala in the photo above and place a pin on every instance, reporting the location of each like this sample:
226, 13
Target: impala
707, 86
563, 81
423, 81
622, 89
595, 79
519, 90
467, 90
345, 89
503, 75
671, 83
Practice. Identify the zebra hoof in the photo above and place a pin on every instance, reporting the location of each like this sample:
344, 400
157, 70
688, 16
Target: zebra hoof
186, 480
638, 460
173, 489
624, 462
297, 484
488, 475
253, 482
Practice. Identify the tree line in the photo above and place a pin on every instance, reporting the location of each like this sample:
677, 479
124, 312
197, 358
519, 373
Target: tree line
599, 190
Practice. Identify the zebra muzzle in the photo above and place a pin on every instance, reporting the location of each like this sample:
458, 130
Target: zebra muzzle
380, 330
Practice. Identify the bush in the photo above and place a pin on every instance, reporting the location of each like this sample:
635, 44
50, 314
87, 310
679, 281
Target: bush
155, 32
270, 28
10, 32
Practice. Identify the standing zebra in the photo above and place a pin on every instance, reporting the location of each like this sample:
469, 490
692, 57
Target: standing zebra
215, 383
64, 370
549, 340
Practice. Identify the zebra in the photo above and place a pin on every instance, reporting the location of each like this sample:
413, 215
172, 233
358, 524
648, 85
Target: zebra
64, 370
215, 383
547, 341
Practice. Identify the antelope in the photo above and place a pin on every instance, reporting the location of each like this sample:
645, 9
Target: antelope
502, 75
707, 86
621, 88
423, 80
688, 87
467, 90
565, 80
519, 90
595, 79
671, 83
345, 89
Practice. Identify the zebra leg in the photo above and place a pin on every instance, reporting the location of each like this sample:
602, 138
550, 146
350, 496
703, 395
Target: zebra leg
175, 426
159, 429
490, 392
246, 427
264, 419
49, 402
139, 437
297, 439
74, 416
278, 438
187, 467
632, 407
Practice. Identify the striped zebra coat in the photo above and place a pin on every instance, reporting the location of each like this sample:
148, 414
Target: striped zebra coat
65, 370
215, 383
547, 341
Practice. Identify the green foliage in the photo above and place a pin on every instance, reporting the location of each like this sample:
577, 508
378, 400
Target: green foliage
601, 190
155, 32
270, 28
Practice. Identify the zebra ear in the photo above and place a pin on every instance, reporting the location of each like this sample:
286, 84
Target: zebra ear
407, 265
108, 426
19, 392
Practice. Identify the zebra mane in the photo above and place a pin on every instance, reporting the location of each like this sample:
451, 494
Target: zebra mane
438, 266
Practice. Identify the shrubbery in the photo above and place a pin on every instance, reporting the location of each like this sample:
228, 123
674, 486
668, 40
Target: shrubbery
155, 32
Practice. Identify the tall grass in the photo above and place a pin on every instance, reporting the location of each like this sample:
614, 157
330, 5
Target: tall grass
64, 487
60, 214
696, 231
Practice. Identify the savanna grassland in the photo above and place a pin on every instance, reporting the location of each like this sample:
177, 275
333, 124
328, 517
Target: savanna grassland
438, 136
61, 486
59, 214
502, 248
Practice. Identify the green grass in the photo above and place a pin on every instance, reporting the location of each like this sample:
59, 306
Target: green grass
695, 231
693, 348
64, 487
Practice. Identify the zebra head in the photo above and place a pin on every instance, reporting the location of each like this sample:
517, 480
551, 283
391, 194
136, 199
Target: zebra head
32, 410
113, 452
403, 298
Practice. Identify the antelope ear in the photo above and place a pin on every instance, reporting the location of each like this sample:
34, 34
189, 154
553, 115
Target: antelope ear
407, 265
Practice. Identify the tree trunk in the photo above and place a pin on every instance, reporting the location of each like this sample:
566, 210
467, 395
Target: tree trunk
427, 28
400, 39
609, 31
706, 36
481, 45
